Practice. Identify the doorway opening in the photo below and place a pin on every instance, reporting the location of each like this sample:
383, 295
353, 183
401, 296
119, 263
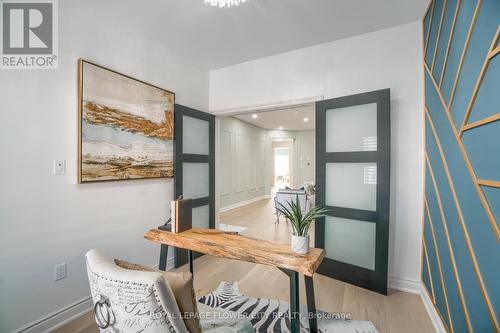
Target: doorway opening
282, 160
264, 151
282, 167
262, 154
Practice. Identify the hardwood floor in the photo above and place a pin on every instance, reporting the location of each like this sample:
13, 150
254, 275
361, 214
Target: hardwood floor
396, 313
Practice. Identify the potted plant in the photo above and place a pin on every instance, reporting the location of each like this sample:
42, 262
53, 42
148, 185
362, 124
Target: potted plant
300, 223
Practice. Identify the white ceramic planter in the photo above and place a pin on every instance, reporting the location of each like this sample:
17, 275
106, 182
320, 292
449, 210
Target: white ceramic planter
300, 244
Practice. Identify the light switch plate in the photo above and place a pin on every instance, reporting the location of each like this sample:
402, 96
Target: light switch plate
60, 272
59, 167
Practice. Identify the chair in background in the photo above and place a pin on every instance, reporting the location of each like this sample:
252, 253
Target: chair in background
285, 196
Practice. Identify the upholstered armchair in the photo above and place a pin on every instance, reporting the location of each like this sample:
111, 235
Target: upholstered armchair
134, 298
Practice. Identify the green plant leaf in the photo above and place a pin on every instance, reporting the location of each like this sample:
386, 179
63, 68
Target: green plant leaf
300, 223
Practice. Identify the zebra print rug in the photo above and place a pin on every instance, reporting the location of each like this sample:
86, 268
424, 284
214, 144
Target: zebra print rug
272, 315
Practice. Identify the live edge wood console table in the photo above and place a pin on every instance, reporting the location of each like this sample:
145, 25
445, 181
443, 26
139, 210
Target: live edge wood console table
231, 245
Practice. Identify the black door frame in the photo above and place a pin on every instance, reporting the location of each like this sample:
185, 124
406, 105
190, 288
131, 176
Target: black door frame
181, 256
375, 280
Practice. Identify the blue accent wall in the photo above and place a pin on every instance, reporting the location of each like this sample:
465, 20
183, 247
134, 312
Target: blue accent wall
461, 265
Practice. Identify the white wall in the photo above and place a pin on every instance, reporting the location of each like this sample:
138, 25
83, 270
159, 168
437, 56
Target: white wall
244, 162
304, 160
46, 219
384, 59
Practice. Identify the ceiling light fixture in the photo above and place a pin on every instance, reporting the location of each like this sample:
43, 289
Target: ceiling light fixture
224, 3
254, 116
306, 119
280, 128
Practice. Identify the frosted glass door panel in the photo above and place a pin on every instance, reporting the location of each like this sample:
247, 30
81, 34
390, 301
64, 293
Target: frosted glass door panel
195, 136
195, 180
201, 217
351, 185
353, 164
350, 241
352, 128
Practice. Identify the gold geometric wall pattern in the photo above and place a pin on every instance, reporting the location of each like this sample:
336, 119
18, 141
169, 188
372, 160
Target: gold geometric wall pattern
462, 191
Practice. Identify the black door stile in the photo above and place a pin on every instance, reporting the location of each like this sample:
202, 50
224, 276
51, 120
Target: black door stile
376, 279
181, 256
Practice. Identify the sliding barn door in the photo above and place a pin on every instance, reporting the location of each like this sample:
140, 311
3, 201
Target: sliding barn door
195, 167
352, 177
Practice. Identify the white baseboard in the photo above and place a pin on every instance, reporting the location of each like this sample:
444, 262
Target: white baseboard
417, 287
243, 203
58, 319
431, 310
406, 285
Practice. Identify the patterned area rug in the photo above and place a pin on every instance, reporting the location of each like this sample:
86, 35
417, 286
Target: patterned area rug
272, 315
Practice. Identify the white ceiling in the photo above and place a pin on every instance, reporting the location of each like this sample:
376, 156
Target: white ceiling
216, 37
290, 119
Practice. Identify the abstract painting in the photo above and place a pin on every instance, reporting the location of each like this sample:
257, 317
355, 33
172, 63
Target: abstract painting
126, 127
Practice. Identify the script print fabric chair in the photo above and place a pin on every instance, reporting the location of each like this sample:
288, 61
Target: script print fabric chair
131, 301
141, 300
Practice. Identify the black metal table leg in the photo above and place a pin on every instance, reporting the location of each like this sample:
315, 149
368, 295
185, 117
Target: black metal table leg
294, 300
190, 258
311, 304
294, 303
162, 265
163, 257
